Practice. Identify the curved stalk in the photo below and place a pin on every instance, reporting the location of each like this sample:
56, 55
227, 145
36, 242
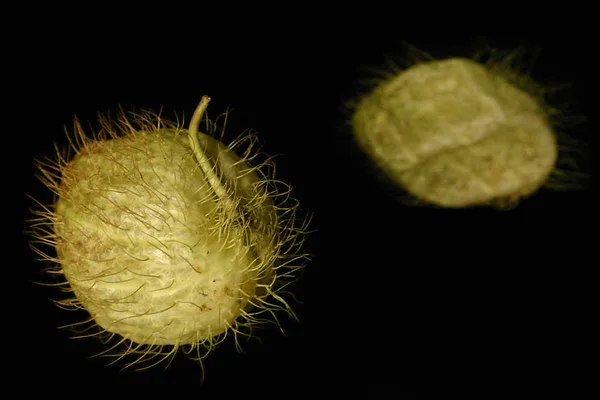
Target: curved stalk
201, 156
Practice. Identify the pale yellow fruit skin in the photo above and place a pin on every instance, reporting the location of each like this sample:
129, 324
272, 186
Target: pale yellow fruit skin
454, 134
140, 241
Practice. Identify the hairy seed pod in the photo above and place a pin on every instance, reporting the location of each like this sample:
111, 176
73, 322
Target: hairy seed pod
456, 133
167, 237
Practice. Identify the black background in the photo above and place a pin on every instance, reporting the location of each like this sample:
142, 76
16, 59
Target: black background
393, 293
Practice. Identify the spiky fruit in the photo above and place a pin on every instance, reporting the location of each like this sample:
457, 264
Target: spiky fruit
456, 133
167, 237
